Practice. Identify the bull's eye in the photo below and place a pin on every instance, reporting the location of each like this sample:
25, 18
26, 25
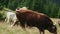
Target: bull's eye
53, 27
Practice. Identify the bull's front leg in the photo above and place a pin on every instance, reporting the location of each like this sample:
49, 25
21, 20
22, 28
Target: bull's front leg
42, 32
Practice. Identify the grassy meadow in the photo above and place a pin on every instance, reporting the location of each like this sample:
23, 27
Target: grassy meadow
5, 29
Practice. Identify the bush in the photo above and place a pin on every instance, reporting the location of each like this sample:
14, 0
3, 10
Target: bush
1, 7
2, 15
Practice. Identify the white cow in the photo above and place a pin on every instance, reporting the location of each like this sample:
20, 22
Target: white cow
11, 18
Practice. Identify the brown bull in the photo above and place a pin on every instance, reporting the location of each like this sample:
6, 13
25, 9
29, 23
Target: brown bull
35, 19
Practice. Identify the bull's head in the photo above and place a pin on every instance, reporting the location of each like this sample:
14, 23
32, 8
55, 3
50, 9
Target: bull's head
21, 10
53, 29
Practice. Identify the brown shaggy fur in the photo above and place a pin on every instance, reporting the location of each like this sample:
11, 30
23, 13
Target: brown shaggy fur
35, 19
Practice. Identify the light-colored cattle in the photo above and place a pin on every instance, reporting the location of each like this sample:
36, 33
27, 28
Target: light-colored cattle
11, 18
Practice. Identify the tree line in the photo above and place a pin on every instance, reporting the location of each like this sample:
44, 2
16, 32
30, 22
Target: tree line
43, 6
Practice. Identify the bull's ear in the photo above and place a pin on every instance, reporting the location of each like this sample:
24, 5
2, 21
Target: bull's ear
17, 9
54, 24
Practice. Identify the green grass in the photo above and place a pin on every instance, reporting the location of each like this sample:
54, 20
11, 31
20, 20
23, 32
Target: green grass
5, 29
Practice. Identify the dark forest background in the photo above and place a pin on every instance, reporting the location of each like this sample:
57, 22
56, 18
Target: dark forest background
49, 7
